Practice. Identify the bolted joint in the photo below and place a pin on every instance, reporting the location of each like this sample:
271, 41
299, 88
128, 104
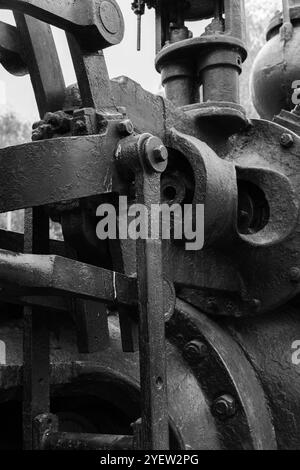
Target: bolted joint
155, 155
160, 154
224, 407
142, 152
286, 140
194, 351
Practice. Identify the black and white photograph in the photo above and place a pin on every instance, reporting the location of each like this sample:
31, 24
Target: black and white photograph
149, 230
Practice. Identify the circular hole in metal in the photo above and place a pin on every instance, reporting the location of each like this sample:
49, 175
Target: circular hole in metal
169, 193
159, 383
253, 208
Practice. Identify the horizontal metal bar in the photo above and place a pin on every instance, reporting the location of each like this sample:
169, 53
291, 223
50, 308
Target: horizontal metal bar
62, 169
96, 27
75, 441
25, 275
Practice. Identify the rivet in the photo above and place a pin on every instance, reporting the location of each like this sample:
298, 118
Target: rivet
295, 275
286, 140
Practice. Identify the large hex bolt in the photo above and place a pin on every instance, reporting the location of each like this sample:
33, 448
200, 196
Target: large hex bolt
160, 154
224, 407
156, 154
194, 351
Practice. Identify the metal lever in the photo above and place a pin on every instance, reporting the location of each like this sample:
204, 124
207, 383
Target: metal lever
147, 157
97, 24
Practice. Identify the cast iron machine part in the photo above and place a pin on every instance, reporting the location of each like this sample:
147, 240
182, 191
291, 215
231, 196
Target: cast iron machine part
145, 344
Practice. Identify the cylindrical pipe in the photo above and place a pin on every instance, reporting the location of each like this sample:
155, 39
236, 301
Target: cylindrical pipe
220, 84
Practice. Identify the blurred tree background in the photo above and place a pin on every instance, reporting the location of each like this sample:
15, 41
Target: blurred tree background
14, 132
258, 15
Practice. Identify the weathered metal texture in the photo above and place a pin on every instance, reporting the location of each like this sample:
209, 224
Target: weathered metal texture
146, 156
113, 376
232, 389
212, 61
11, 53
97, 24
224, 345
48, 437
267, 343
49, 88
28, 275
215, 186
289, 120
36, 353
276, 68
268, 254
48, 172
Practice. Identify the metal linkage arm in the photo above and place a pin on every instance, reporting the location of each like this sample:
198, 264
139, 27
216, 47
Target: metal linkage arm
61, 169
147, 158
97, 23
29, 275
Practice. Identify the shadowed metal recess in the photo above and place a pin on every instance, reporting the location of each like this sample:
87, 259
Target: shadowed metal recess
144, 344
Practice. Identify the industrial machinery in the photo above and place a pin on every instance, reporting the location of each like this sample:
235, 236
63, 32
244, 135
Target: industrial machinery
144, 344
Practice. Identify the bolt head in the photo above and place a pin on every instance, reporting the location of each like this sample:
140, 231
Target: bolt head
160, 154
155, 154
286, 140
224, 407
295, 275
195, 351
126, 127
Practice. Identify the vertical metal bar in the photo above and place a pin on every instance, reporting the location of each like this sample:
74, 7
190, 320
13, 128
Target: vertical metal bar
152, 325
286, 11
43, 63
36, 380
139, 31
235, 18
